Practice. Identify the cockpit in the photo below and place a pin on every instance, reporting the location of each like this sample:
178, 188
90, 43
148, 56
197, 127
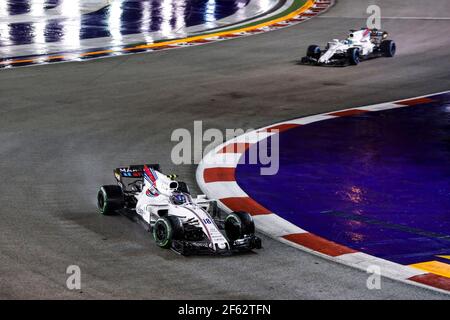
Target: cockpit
180, 198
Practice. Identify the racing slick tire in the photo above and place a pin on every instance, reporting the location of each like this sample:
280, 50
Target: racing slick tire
388, 48
239, 224
353, 56
167, 229
313, 51
110, 199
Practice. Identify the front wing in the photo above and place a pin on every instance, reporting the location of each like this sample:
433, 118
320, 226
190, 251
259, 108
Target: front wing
186, 247
340, 62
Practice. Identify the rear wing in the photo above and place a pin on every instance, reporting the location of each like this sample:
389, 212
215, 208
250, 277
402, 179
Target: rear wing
133, 171
373, 32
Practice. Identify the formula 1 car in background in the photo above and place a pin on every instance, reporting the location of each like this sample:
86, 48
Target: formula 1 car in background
360, 45
176, 220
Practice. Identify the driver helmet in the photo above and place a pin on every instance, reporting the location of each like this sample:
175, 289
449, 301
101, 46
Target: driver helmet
178, 198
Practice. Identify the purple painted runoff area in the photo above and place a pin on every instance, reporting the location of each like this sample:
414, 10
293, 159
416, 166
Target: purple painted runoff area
378, 182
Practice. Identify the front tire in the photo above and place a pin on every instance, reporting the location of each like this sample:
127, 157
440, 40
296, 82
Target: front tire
388, 48
353, 56
110, 199
238, 225
167, 229
313, 51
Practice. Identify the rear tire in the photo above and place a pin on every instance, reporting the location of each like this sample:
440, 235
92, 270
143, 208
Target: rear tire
110, 199
238, 225
388, 48
313, 51
353, 56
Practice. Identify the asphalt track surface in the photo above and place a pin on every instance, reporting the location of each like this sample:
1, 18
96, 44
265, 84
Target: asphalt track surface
65, 126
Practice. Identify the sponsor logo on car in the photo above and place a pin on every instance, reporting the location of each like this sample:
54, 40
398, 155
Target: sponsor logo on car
130, 173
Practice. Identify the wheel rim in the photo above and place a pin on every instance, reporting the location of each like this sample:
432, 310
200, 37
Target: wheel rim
317, 52
101, 202
356, 56
160, 233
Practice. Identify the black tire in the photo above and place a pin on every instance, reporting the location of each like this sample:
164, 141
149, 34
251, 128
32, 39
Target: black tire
313, 51
183, 187
353, 56
167, 229
388, 48
177, 226
163, 232
239, 224
110, 199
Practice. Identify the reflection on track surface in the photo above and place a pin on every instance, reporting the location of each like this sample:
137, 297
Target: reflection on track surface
26, 22
378, 182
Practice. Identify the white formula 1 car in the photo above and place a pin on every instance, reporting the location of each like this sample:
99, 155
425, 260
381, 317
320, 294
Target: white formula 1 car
176, 220
360, 45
